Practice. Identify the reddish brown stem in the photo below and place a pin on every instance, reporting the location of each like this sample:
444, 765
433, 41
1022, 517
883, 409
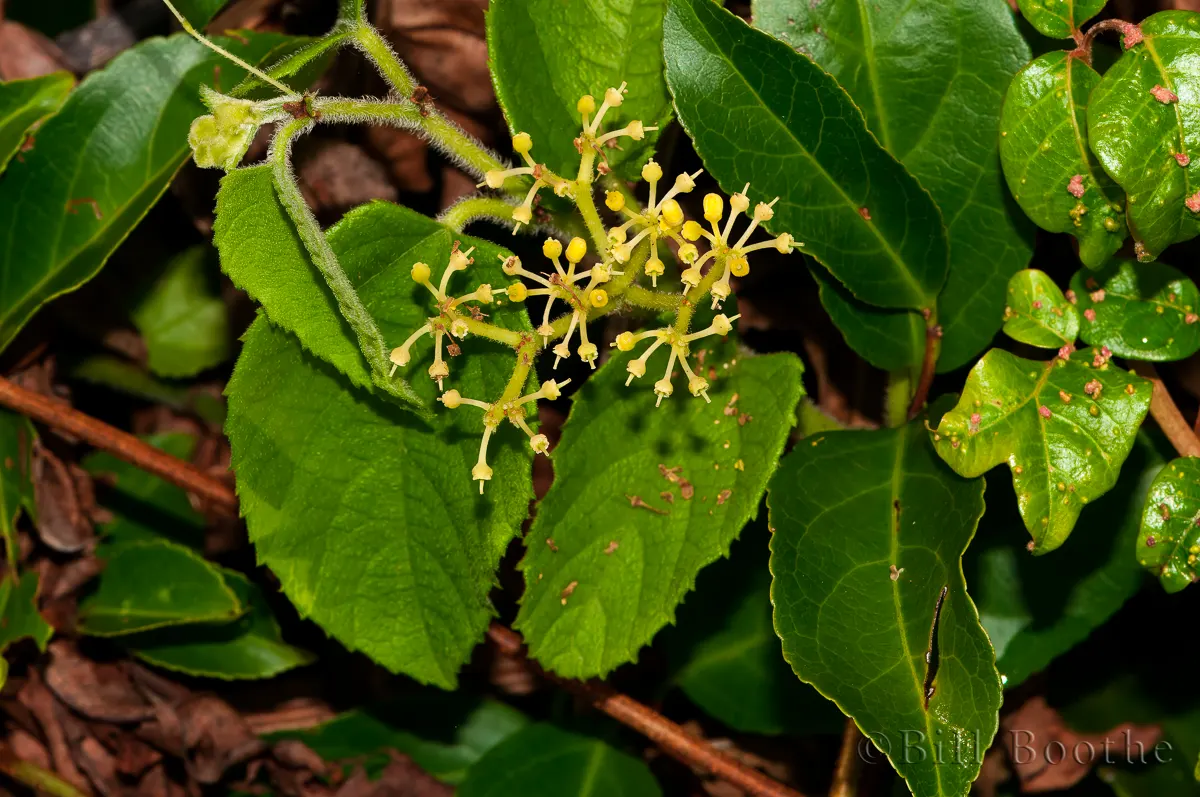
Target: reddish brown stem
845, 777
1167, 415
932, 336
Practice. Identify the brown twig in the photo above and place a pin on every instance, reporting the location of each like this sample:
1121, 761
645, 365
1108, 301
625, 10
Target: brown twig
1168, 416
845, 777
933, 334
666, 734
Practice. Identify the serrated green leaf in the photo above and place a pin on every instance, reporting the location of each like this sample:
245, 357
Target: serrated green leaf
1059, 19
182, 318
725, 655
1144, 113
887, 339
16, 477
1143, 311
250, 647
154, 584
870, 528
1037, 608
761, 113
100, 163
1063, 427
1169, 539
1037, 313
579, 614
546, 54
543, 761
1047, 160
24, 103
937, 110
19, 616
367, 514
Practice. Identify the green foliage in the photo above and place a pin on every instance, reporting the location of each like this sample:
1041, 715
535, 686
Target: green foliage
1037, 313
199, 12
936, 111
1059, 19
543, 761
887, 339
1062, 427
1144, 311
182, 319
1141, 117
870, 599
16, 477
24, 103
644, 497
1050, 168
1168, 543
19, 617
857, 210
546, 54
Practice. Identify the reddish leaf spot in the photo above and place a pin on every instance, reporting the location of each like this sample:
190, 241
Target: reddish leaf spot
1044, 411
1164, 95
73, 206
1075, 187
866, 214
1182, 158
1089, 314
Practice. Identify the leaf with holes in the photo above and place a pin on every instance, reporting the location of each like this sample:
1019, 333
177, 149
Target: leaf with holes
870, 529
16, 476
763, 114
182, 318
1143, 311
1062, 427
1059, 19
24, 103
1168, 544
1050, 169
1144, 126
1037, 313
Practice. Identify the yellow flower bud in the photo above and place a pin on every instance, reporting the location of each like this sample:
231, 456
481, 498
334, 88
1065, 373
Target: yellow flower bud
484, 293
458, 328
692, 230
481, 473
451, 398
691, 277
663, 387
684, 183
720, 291
587, 352
621, 253
617, 235
601, 273
739, 202
420, 273
739, 266
511, 265
459, 260
688, 253
714, 207
697, 385
614, 200
636, 130
522, 215
522, 143
763, 212
651, 172
551, 389
545, 330
614, 97
439, 370
636, 368
586, 105
655, 267
539, 443
721, 324
625, 341
552, 248
576, 250
399, 356
672, 214
494, 179
517, 292
784, 243
598, 297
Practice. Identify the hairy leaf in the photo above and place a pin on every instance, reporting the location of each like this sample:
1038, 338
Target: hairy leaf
929, 76
1049, 166
99, 165
543, 761
1063, 427
761, 113
19, 616
870, 528
182, 318
1144, 311
1037, 313
367, 514
16, 477
1144, 126
546, 54
887, 339
645, 496
154, 584
1059, 19
1168, 544
24, 103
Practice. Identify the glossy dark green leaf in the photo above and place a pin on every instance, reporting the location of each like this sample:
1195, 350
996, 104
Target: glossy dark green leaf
1036, 608
1049, 166
1168, 544
1143, 311
761, 113
643, 498
366, 513
905, 63
182, 318
16, 476
870, 528
1144, 126
887, 339
1059, 19
155, 584
100, 163
1037, 313
543, 761
1062, 427
24, 103
19, 616
546, 54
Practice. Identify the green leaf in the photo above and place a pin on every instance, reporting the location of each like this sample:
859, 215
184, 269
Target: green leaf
1169, 540
100, 164
699, 468
250, 647
154, 584
870, 528
367, 514
19, 616
24, 103
1047, 161
887, 339
726, 657
937, 110
1144, 311
126, 377
1037, 313
16, 477
299, 68
199, 12
1059, 19
1036, 608
182, 318
543, 761
1141, 115
1063, 427
761, 113
546, 54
